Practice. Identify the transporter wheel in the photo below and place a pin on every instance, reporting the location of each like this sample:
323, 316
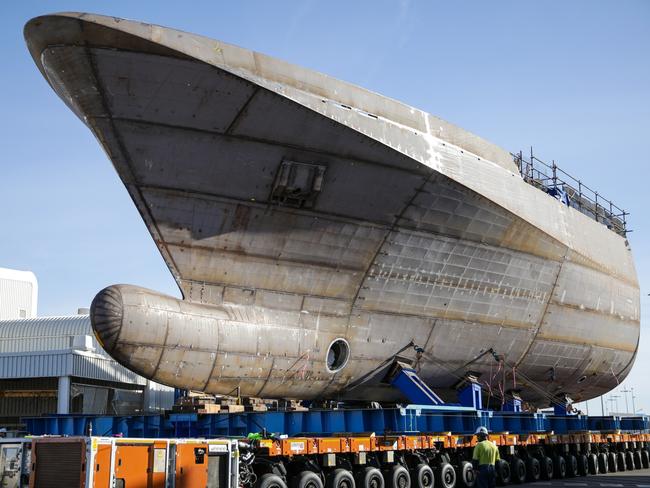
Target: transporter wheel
370, 478
502, 469
397, 476
517, 470
446, 476
629, 461
611, 462
593, 463
270, 480
645, 459
637, 460
342, 478
466, 475
603, 464
571, 466
559, 467
422, 476
620, 461
546, 464
307, 479
583, 465
533, 469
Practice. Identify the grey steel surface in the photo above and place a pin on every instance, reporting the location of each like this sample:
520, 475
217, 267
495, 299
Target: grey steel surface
410, 230
639, 478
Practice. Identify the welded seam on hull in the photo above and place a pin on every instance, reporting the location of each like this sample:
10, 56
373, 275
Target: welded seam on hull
268, 142
583, 309
263, 257
334, 217
543, 316
235, 121
162, 349
268, 377
214, 364
136, 195
630, 362
389, 231
433, 326
205, 55
249, 77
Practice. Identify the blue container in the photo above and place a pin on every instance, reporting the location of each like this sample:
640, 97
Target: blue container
604, 423
565, 424
635, 424
406, 420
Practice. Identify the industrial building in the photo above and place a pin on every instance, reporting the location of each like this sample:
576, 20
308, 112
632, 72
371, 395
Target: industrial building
55, 364
18, 294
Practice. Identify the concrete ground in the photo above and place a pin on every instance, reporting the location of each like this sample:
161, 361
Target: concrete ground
639, 478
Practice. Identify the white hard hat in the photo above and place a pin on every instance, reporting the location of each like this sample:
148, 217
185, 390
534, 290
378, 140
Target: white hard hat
481, 430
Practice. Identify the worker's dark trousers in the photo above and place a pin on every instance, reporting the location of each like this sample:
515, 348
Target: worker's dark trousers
487, 477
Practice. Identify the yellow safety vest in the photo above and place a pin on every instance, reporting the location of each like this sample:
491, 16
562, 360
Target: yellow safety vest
486, 452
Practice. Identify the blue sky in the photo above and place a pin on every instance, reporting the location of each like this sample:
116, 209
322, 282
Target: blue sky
570, 78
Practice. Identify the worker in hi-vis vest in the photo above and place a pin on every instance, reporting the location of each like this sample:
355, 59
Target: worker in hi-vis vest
484, 458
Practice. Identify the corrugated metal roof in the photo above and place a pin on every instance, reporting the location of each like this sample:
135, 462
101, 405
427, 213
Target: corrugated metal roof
59, 346
46, 334
41, 326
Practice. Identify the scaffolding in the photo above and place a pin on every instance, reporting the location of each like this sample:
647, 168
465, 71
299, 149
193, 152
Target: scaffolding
573, 192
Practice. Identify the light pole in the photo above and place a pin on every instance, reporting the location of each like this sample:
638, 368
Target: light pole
613, 399
633, 397
627, 407
602, 406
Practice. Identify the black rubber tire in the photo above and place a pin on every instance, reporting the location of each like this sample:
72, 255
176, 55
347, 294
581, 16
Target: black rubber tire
422, 476
270, 480
559, 467
397, 476
620, 461
445, 476
571, 466
546, 465
593, 463
370, 478
465, 475
629, 461
583, 465
533, 469
637, 460
611, 462
307, 479
645, 459
341, 478
517, 470
502, 469
603, 464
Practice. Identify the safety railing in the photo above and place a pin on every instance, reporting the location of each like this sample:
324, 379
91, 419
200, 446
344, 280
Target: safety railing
573, 192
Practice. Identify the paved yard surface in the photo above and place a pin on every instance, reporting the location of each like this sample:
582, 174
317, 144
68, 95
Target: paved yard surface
639, 478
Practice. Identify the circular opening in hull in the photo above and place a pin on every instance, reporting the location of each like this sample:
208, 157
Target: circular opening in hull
337, 355
581, 379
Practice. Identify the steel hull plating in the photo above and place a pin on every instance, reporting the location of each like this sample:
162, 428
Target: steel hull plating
404, 228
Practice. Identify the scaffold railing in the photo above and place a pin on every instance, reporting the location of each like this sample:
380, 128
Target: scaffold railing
552, 180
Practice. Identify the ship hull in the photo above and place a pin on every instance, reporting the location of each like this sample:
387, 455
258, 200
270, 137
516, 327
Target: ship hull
295, 211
